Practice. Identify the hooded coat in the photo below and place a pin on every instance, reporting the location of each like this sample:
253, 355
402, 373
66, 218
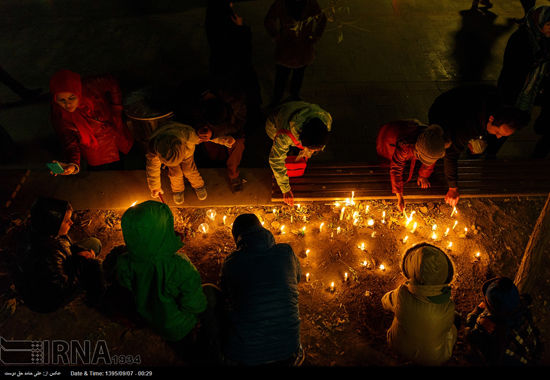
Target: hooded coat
290, 116
95, 130
52, 272
260, 282
166, 287
423, 329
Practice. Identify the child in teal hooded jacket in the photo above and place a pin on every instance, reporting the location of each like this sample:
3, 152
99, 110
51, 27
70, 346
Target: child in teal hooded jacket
166, 286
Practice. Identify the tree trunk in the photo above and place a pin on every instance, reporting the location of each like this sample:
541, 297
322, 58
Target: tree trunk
531, 268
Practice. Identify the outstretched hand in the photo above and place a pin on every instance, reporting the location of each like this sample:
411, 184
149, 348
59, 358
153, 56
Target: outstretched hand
400, 202
452, 196
288, 198
68, 169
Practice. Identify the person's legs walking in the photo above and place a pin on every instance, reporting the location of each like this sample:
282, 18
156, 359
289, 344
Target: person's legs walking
281, 77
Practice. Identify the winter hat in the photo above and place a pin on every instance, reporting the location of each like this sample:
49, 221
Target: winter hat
245, 224
66, 81
425, 264
430, 145
501, 296
47, 214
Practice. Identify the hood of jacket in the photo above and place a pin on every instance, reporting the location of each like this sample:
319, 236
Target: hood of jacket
148, 230
256, 239
429, 271
163, 138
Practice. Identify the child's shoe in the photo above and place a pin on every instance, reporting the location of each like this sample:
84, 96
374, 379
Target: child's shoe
178, 198
201, 193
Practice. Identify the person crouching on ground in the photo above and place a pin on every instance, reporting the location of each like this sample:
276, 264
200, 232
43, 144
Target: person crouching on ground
165, 285
173, 145
500, 330
291, 126
408, 140
259, 283
87, 116
54, 269
423, 329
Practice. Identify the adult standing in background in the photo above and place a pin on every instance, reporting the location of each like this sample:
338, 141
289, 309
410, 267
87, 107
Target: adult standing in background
295, 26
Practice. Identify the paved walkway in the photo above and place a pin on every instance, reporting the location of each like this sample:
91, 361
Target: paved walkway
379, 60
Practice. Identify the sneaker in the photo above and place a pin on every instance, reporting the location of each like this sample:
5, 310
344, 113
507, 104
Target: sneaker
178, 198
236, 185
201, 193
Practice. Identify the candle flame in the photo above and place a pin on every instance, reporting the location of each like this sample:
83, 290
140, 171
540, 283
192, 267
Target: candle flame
224, 218
478, 254
332, 286
211, 214
447, 231
307, 252
307, 276
450, 245
133, 204
338, 230
414, 227
434, 236
373, 234
405, 239
454, 211
203, 228
321, 226
345, 276
434, 227
454, 225
370, 222
382, 267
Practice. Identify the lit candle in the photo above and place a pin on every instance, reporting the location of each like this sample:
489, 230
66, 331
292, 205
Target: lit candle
345, 276
338, 230
282, 229
203, 227
454, 211
373, 234
321, 226
291, 219
365, 263
384, 217
454, 225
361, 246
274, 210
477, 255
405, 239
465, 231
133, 204
307, 252
298, 206
352, 195
414, 228
307, 276
224, 218
434, 236
450, 245
367, 209
342, 212
211, 214
382, 267
434, 227
447, 231
409, 218
304, 229
370, 222
332, 286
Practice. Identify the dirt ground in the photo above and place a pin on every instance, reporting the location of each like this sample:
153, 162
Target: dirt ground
343, 327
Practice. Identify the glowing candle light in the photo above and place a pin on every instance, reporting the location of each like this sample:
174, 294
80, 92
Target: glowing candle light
434, 227
321, 226
337, 204
304, 230
414, 227
370, 222
384, 217
352, 195
274, 211
447, 231
263, 223
282, 229
454, 225
382, 267
409, 218
332, 286
307, 252
450, 245
454, 211
298, 206
465, 230
291, 218
365, 263
338, 229
373, 234
434, 236
361, 246
478, 255
342, 212
345, 276
405, 239
307, 276
211, 214
224, 219
367, 207
203, 227
133, 204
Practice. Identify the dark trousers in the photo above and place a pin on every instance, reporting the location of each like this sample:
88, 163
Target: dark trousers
281, 78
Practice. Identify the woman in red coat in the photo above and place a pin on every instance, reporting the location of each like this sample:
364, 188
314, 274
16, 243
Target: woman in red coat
87, 116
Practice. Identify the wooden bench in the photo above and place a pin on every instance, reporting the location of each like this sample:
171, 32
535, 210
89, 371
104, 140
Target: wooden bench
477, 178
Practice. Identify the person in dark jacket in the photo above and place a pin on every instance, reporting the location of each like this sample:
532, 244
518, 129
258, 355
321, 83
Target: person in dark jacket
259, 283
469, 115
500, 330
222, 112
524, 80
55, 269
401, 141
230, 42
87, 117
295, 26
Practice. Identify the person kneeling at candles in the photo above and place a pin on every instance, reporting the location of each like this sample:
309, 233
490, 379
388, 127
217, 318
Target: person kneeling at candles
500, 330
259, 283
408, 140
295, 126
423, 329
54, 269
87, 116
173, 145
165, 286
